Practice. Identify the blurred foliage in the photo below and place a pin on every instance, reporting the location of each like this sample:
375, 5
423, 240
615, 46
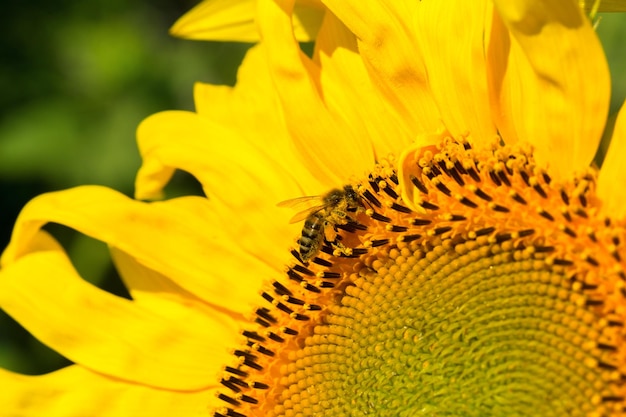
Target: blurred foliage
77, 78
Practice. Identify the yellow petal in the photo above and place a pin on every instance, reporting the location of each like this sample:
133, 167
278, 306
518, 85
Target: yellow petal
451, 37
330, 148
392, 55
243, 183
153, 291
207, 150
175, 238
345, 81
78, 392
612, 176
252, 109
109, 334
406, 166
228, 20
551, 81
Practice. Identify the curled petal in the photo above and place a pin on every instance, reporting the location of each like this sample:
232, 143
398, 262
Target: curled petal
109, 334
179, 139
203, 259
243, 205
407, 163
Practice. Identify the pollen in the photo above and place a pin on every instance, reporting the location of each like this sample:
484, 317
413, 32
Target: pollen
468, 282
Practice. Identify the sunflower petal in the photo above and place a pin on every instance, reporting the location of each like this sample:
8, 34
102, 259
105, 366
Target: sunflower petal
559, 104
78, 392
613, 175
387, 43
407, 162
141, 230
109, 334
456, 70
153, 291
246, 202
313, 128
253, 110
177, 139
345, 81
228, 20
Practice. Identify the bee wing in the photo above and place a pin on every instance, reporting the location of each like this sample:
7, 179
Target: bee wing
302, 215
299, 202
312, 204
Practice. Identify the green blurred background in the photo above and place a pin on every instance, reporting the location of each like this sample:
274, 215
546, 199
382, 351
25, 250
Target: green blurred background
76, 79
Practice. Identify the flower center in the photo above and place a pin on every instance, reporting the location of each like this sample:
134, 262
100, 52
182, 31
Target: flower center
473, 285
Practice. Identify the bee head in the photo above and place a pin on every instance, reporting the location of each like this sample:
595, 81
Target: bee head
352, 197
334, 197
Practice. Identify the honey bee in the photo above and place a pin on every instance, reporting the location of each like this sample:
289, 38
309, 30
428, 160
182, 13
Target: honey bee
321, 219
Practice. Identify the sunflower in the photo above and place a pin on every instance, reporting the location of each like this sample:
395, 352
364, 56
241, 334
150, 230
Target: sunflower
464, 257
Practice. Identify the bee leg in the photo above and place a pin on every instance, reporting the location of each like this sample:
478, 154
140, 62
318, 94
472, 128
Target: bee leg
330, 233
340, 249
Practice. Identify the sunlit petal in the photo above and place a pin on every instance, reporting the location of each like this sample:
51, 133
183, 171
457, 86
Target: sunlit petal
311, 125
78, 392
109, 334
142, 230
456, 70
459, 258
345, 81
228, 20
252, 110
559, 104
183, 140
393, 58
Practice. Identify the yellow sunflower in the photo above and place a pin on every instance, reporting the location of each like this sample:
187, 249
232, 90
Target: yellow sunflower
464, 258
